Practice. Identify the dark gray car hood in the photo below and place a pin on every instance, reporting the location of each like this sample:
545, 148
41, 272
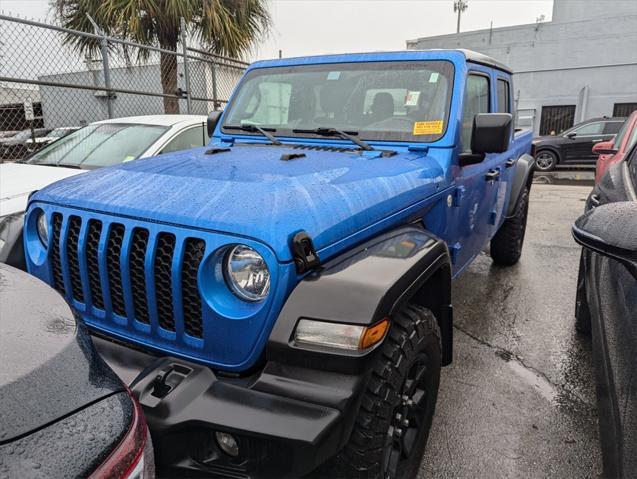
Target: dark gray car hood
48, 367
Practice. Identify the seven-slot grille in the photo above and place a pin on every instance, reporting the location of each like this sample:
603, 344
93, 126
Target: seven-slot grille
121, 256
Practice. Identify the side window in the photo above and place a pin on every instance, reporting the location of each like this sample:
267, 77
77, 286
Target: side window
190, 138
632, 167
590, 129
612, 127
476, 100
504, 96
620, 136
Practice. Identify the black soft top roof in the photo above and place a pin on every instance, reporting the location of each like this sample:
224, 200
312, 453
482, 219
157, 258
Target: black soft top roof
482, 59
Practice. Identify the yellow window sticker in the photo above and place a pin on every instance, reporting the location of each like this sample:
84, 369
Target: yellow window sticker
128, 158
428, 127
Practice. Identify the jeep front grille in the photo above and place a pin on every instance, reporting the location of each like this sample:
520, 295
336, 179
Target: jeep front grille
119, 265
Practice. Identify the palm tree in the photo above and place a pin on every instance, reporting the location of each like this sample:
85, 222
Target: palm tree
224, 27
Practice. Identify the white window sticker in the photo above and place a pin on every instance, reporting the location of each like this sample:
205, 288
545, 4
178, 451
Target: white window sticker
433, 78
333, 75
412, 98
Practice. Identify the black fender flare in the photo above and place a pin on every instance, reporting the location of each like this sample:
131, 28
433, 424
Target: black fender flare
362, 286
522, 175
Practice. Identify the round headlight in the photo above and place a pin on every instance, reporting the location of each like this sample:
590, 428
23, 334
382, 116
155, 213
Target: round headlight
43, 228
247, 273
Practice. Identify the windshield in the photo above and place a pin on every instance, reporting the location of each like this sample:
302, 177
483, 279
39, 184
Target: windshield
59, 132
389, 101
96, 146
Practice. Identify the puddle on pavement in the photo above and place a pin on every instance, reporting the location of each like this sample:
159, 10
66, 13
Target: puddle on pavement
534, 380
575, 178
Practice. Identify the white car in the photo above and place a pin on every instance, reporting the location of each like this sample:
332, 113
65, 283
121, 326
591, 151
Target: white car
103, 143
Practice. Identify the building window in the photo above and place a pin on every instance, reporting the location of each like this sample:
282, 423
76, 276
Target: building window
504, 96
556, 119
624, 109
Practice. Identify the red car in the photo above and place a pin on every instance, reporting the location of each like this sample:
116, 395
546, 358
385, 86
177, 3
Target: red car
613, 151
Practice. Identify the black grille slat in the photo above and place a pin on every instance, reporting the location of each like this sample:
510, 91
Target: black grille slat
92, 262
136, 260
162, 266
72, 257
56, 260
113, 254
193, 254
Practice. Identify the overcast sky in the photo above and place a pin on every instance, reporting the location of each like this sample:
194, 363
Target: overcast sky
309, 27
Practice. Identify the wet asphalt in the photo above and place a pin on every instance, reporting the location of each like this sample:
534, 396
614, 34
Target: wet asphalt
519, 399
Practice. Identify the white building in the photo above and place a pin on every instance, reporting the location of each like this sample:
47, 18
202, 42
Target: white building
582, 64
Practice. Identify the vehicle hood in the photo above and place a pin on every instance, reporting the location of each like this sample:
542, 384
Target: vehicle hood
250, 190
49, 367
18, 180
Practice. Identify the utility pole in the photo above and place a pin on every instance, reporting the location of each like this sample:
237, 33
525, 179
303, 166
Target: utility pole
460, 6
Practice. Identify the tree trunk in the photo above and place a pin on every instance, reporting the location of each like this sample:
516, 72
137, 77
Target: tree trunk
168, 66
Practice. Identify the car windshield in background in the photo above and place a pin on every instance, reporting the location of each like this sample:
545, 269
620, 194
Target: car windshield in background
60, 132
389, 101
96, 146
23, 135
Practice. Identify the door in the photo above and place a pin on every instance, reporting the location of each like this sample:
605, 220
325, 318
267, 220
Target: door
614, 294
503, 161
479, 182
579, 142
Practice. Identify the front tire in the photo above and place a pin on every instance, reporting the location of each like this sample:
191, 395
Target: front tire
506, 245
545, 160
391, 430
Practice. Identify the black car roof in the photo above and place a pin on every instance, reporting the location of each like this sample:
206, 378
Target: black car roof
604, 118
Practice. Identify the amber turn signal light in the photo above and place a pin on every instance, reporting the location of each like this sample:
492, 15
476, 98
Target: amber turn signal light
374, 334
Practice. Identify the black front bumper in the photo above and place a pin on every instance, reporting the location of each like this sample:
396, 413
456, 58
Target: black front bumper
287, 420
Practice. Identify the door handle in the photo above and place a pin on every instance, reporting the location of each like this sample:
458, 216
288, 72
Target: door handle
598, 140
492, 175
510, 163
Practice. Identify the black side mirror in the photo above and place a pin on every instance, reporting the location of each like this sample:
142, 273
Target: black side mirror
213, 119
491, 133
610, 230
571, 135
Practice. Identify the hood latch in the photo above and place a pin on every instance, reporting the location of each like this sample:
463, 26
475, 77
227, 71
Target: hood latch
305, 257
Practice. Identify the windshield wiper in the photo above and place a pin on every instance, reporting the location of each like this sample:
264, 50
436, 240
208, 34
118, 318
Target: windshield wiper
346, 135
256, 129
59, 165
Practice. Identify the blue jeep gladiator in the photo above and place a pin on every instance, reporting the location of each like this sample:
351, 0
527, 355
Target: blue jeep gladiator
280, 300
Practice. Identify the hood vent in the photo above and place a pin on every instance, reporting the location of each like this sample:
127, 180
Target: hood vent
325, 148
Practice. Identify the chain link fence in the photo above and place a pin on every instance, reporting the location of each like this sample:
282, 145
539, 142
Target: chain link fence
41, 72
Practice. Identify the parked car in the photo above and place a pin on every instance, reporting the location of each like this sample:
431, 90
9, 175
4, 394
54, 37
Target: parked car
7, 134
15, 147
99, 144
50, 137
574, 146
613, 151
64, 411
607, 308
281, 299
